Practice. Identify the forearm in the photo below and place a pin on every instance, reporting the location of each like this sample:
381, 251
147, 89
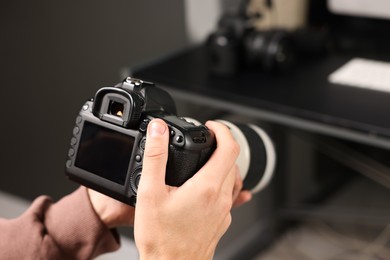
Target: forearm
68, 229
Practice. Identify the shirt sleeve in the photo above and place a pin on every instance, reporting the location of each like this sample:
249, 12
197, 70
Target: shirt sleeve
68, 229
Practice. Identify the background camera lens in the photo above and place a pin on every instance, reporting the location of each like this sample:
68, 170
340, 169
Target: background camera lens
116, 109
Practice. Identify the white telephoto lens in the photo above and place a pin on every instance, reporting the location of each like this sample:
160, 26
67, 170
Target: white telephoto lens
257, 158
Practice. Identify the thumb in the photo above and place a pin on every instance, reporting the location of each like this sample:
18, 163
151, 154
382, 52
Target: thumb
155, 156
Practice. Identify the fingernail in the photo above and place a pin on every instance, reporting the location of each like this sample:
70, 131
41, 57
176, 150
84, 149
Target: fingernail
156, 128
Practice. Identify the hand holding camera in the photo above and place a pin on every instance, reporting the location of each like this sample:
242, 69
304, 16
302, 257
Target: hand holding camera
200, 206
108, 142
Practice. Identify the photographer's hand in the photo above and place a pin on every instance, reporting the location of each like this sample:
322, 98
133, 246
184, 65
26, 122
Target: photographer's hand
112, 212
186, 221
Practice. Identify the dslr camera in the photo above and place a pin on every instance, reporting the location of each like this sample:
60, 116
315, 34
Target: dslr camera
108, 142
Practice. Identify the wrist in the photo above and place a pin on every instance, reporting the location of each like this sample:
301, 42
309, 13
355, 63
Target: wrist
100, 208
153, 253
170, 256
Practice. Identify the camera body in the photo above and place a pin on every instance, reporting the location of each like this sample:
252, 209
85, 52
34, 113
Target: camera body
108, 142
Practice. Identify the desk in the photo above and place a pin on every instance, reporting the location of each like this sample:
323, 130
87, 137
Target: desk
300, 98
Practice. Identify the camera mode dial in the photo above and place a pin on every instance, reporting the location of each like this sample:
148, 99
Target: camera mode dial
134, 179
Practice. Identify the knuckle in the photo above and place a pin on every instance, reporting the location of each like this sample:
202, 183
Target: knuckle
226, 204
227, 221
155, 152
210, 192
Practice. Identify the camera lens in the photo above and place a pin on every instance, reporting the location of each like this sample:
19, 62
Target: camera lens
116, 109
257, 157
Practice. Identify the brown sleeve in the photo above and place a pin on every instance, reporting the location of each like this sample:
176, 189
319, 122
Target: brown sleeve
68, 229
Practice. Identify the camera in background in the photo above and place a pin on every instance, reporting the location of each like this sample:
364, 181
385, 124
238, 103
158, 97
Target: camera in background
255, 36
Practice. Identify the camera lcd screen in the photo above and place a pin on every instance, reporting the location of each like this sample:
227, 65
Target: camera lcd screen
104, 152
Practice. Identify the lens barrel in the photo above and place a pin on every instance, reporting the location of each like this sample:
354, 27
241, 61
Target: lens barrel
257, 158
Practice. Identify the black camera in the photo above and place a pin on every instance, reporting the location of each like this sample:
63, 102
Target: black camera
108, 142
107, 146
235, 45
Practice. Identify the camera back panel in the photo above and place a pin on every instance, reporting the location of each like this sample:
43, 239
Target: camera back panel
102, 155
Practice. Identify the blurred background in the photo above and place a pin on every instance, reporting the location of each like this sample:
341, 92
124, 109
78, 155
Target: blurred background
55, 55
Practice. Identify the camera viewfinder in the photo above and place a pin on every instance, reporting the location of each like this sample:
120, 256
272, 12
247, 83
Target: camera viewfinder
116, 109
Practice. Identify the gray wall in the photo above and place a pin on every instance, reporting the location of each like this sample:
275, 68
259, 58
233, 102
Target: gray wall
56, 54
53, 56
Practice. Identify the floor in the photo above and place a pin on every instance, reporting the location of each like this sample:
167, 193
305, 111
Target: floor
358, 229
345, 237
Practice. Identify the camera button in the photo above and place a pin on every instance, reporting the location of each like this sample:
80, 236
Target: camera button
85, 107
68, 163
137, 179
78, 119
138, 158
142, 143
134, 179
144, 125
71, 152
73, 141
76, 130
179, 139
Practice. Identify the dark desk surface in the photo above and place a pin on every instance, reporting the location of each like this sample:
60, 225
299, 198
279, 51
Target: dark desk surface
301, 97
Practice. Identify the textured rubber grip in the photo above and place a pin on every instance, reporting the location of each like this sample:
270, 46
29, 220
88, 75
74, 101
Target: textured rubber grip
183, 164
